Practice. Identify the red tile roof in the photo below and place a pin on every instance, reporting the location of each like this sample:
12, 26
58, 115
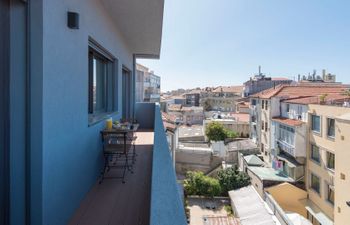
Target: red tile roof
169, 118
337, 97
300, 91
241, 117
228, 89
287, 121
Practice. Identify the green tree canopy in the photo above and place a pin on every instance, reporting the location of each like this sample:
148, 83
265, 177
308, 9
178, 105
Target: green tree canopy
217, 132
196, 183
232, 179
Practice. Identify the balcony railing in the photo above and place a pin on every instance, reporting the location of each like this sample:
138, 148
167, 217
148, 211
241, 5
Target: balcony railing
166, 205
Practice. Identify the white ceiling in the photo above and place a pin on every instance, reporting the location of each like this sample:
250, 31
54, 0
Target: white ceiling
140, 21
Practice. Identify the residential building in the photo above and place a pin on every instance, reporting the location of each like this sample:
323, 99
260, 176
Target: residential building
66, 67
147, 85
328, 166
192, 98
187, 115
267, 110
326, 78
242, 106
222, 98
235, 122
260, 82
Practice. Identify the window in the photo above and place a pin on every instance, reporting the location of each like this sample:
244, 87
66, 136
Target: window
316, 123
315, 183
330, 127
266, 126
253, 102
266, 103
262, 148
330, 160
315, 153
262, 125
287, 108
102, 83
330, 194
262, 104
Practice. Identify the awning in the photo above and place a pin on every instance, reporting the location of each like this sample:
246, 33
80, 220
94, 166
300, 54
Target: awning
289, 160
316, 212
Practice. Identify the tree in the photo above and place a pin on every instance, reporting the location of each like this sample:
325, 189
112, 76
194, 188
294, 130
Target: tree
206, 105
232, 179
215, 132
196, 183
323, 98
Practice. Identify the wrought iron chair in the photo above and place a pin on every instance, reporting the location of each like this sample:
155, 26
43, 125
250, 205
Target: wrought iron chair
116, 151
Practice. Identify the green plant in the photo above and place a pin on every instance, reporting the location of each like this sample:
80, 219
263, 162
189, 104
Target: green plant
196, 183
323, 98
231, 179
215, 131
228, 210
231, 134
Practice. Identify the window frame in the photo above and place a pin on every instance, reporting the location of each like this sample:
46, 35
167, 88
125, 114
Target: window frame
95, 50
327, 120
317, 161
319, 183
320, 124
328, 153
327, 194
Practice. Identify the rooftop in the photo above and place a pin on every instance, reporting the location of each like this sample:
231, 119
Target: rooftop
250, 208
228, 89
300, 91
191, 131
287, 121
265, 173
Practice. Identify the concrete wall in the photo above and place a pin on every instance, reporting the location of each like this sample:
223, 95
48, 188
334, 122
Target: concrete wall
72, 155
342, 194
294, 111
143, 114
166, 204
335, 146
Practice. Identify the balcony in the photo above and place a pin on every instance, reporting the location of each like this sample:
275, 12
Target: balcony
150, 195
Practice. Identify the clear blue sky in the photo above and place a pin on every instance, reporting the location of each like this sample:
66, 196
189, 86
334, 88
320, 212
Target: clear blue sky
222, 42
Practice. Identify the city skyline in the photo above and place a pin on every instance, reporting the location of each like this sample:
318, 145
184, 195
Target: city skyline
228, 41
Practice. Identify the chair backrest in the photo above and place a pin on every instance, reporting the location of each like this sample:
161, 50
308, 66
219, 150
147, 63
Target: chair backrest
112, 141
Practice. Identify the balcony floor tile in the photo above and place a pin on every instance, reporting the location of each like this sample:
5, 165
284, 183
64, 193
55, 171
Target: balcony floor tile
113, 202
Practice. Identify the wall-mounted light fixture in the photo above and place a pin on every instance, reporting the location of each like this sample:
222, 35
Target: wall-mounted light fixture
73, 20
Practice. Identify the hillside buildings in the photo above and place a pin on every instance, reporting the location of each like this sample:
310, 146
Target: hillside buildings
147, 85
260, 82
222, 98
300, 131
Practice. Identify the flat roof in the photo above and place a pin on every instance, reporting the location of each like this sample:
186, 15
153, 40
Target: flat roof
250, 208
192, 131
315, 211
266, 173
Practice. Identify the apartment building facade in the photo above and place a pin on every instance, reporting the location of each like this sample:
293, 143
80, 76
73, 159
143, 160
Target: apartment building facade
222, 98
66, 67
147, 85
328, 167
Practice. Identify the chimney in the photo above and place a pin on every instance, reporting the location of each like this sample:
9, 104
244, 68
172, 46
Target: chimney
324, 74
259, 70
314, 75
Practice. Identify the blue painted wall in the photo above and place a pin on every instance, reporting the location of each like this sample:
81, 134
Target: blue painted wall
72, 153
145, 114
166, 205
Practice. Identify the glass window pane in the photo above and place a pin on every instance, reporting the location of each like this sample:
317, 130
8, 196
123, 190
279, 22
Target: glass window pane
316, 123
331, 127
99, 85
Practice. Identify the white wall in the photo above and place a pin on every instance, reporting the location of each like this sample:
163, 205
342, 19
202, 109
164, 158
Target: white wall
294, 111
